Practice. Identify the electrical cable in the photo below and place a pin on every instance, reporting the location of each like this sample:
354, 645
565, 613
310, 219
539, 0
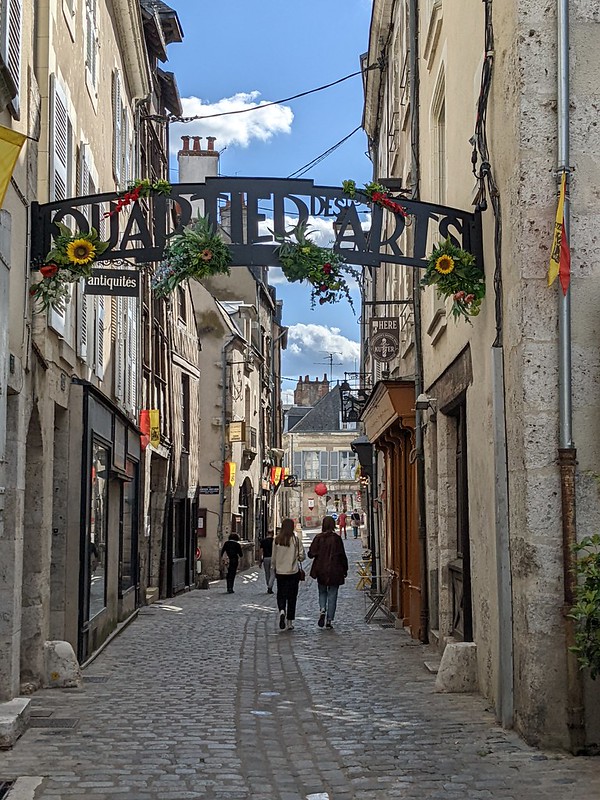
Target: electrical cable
275, 102
485, 175
307, 167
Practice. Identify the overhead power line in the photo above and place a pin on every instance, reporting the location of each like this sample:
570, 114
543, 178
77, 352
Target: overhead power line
303, 170
275, 102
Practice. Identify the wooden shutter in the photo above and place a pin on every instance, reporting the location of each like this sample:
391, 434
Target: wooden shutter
100, 317
132, 349
83, 188
117, 108
126, 149
120, 329
59, 141
60, 155
91, 41
297, 467
11, 46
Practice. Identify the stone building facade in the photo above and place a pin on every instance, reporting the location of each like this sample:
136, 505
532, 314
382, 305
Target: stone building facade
318, 449
90, 517
461, 81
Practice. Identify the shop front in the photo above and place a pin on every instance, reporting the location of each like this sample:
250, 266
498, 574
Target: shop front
106, 453
389, 422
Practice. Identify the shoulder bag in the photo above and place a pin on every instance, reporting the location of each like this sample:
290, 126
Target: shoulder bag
301, 573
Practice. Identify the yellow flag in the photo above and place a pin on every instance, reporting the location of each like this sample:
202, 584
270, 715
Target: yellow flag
154, 415
11, 143
555, 253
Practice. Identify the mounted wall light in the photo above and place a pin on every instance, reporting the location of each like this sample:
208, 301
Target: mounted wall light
424, 403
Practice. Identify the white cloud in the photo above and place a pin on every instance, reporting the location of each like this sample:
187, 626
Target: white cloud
308, 346
235, 129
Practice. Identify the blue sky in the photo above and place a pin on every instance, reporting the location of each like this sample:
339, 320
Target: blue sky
236, 53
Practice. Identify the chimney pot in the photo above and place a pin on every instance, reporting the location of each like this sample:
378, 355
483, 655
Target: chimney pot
211, 142
196, 140
186, 142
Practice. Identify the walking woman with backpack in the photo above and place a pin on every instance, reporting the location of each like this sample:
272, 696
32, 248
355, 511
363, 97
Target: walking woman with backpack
330, 568
288, 555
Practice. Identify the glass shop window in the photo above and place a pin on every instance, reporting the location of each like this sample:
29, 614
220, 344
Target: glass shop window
97, 541
128, 552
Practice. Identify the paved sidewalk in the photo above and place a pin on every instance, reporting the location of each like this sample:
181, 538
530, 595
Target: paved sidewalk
203, 697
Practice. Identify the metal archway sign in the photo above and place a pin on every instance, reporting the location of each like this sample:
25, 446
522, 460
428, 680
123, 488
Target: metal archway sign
253, 205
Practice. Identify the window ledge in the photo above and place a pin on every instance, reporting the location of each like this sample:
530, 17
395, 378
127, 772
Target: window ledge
438, 325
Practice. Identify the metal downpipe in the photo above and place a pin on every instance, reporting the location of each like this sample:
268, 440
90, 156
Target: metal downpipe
567, 454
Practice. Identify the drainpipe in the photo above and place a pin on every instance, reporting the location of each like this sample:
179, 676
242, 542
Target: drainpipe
413, 68
567, 453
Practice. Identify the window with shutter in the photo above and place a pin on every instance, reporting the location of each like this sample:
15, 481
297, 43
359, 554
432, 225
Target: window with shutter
83, 188
60, 146
324, 465
117, 126
334, 471
91, 45
100, 317
61, 154
10, 47
126, 171
132, 349
297, 469
120, 330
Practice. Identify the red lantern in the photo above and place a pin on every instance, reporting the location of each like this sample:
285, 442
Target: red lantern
320, 489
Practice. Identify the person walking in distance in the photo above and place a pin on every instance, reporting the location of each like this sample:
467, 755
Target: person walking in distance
330, 568
266, 553
233, 550
342, 519
355, 523
288, 554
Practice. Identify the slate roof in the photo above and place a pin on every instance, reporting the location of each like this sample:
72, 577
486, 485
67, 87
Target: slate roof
324, 417
293, 415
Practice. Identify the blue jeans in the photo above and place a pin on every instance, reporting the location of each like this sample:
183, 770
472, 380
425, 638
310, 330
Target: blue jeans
328, 600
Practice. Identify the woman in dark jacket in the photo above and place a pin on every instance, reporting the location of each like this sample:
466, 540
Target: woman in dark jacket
330, 567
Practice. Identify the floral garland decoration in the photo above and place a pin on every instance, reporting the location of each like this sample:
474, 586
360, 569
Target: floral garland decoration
377, 194
71, 258
454, 273
303, 260
197, 252
141, 188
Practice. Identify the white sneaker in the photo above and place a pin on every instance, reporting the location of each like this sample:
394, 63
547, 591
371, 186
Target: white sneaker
290, 625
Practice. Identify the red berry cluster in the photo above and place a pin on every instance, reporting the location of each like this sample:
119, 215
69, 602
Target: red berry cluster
385, 201
127, 199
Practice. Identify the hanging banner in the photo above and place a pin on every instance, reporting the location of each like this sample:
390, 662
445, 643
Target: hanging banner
113, 282
384, 339
145, 429
154, 415
229, 469
276, 475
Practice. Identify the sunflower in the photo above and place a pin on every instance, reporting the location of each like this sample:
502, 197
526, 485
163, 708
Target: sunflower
206, 254
444, 264
80, 251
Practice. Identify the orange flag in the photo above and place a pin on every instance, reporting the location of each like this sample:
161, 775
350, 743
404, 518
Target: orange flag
560, 256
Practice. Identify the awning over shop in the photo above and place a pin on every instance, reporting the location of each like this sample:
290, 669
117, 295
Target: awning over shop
390, 402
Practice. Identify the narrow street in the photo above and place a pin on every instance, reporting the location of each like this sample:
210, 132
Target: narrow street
203, 697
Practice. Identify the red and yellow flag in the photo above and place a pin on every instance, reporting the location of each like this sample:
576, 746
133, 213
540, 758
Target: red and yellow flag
11, 143
560, 257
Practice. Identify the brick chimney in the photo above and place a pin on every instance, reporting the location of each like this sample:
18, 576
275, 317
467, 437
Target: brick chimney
308, 393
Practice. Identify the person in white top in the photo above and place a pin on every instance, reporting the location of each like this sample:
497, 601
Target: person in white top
288, 553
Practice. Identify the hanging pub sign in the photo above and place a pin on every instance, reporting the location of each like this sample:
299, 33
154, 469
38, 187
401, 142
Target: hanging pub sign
384, 338
113, 282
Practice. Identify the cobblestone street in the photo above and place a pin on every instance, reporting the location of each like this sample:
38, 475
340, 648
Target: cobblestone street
203, 697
